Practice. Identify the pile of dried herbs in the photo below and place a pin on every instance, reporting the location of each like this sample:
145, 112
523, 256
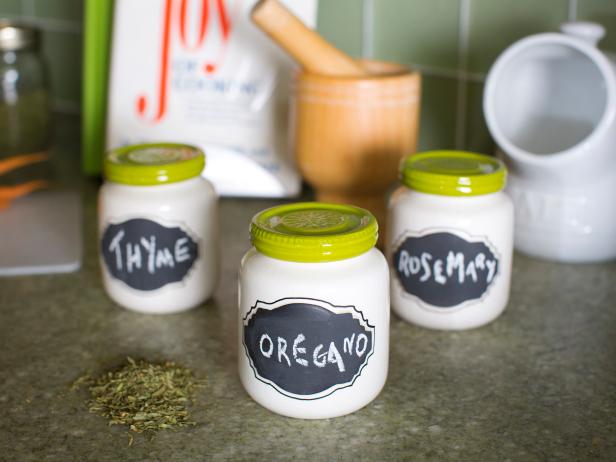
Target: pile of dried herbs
145, 397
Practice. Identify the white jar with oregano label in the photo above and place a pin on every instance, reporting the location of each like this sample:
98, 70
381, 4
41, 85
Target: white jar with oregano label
313, 311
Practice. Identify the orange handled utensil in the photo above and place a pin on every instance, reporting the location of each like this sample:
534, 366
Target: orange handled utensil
10, 193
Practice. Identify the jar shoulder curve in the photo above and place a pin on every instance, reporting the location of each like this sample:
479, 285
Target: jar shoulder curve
420, 213
423, 201
398, 196
507, 202
192, 189
248, 259
206, 185
259, 265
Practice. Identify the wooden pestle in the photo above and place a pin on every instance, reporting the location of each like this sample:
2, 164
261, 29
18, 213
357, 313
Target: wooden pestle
308, 48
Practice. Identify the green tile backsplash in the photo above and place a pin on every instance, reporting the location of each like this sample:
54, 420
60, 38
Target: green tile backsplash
10, 7
59, 9
453, 43
411, 31
438, 113
341, 22
496, 24
476, 135
65, 73
604, 12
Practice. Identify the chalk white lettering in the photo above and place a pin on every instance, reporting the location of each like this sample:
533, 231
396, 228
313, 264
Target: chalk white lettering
133, 257
322, 354
470, 271
425, 264
150, 248
282, 348
361, 338
297, 350
454, 266
456, 261
414, 265
319, 360
347, 344
408, 264
181, 251
491, 264
114, 246
146, 254
438, 272
266, 353
333, 357
164, 258
480, 261
403, 263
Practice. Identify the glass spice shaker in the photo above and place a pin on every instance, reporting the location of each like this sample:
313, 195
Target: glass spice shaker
24, 95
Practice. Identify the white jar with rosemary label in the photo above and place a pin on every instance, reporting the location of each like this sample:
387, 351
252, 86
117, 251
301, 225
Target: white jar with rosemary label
313, 311
158, 228
450, 240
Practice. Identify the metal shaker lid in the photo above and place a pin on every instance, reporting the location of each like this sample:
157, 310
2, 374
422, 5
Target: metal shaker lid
15, 36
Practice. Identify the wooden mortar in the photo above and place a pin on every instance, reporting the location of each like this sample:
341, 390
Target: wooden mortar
350, 133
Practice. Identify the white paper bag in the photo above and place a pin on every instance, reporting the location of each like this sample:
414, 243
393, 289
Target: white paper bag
199, 72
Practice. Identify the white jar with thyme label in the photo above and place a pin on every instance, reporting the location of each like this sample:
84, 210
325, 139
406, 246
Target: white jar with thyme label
450, 240
313, 311
158, 228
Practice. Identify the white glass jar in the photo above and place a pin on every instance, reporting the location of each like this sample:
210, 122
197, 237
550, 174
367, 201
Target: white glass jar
450, 240
313, 311
158, 228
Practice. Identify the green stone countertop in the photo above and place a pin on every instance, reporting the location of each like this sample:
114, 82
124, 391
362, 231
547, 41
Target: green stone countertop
537, 384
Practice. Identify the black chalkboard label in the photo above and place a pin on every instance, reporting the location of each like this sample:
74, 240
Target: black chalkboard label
147, 255
307, 349
444, 269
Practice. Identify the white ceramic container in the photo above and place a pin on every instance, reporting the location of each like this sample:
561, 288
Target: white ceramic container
550, 104
158, 228
313, 311
450, 241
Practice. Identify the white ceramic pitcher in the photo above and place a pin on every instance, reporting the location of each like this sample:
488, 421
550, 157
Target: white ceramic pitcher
550, 104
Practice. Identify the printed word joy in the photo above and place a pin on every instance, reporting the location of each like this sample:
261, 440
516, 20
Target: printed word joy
213, 23
454, 267
296, 353
146, 254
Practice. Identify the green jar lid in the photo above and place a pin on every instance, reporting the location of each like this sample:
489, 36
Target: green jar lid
153, 164
453, 173
313, 232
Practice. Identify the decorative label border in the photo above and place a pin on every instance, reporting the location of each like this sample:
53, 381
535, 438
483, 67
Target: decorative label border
462, 235
358, 315
162, 222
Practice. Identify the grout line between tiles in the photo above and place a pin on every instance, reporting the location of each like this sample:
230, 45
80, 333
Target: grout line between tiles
28, 7
447, 73
462, 88
573, 8
66, 107
49, 24
367, 34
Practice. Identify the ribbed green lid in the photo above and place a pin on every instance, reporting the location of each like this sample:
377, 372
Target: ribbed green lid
313, 232
153, 164
453, 173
